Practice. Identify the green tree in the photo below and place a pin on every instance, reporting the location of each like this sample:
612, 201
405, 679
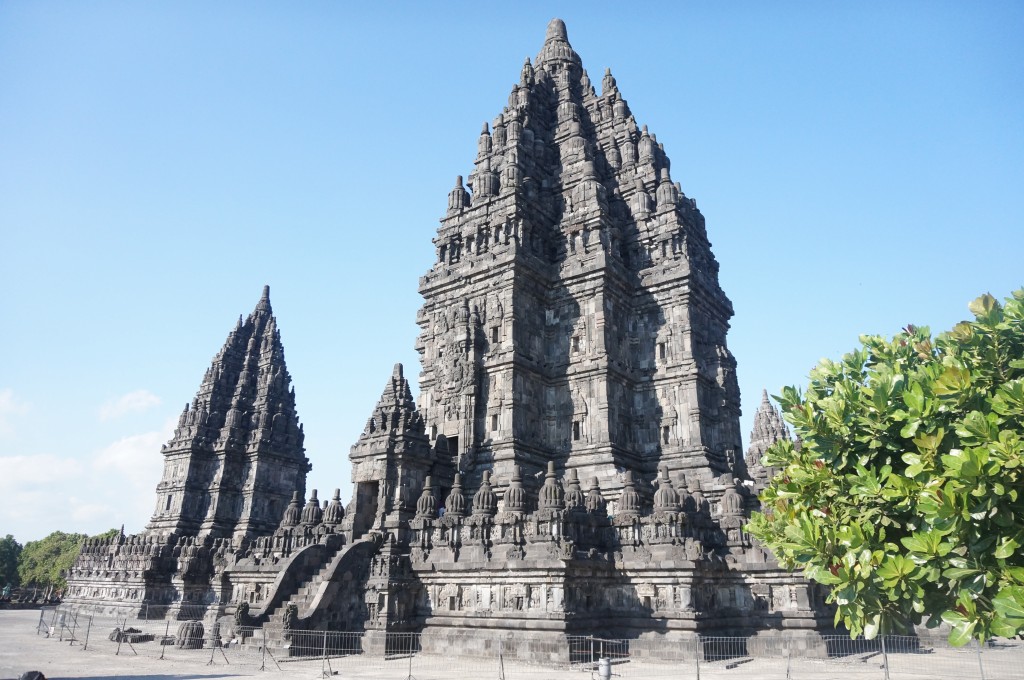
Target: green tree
10, 551
906, 492
109, 533
44, 562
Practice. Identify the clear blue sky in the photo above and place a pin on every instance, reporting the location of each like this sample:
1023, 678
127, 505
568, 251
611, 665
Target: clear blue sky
859, 165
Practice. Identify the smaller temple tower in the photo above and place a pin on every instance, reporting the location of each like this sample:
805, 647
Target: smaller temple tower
768, 429
238, 440
389, 462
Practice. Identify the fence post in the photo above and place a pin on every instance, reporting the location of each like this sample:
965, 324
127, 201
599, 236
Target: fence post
981, 667
120, 636
885, 659
73, 628
789, 657
263, 655
87, 630
696, 655
163, 642
323, 657
212, 652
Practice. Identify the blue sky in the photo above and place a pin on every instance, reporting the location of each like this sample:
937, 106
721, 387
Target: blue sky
859, 166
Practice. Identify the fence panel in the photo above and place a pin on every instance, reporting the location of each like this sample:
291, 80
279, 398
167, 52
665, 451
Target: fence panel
188, 639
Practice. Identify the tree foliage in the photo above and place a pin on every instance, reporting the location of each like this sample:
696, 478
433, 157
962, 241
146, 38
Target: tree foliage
10, 551
109, 533
906, 492
43, 563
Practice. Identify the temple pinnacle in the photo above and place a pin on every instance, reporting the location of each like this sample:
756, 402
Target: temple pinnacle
264, 304
556, 31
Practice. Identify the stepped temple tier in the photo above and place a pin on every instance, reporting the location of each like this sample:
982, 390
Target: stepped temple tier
573, 465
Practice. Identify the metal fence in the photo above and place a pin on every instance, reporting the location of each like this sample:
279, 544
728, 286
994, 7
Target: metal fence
401, 656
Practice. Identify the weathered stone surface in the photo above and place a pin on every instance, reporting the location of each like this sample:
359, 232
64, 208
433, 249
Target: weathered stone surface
190, 635
129, 634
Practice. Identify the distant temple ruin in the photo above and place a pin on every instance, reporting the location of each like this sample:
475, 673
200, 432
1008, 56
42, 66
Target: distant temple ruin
574, 464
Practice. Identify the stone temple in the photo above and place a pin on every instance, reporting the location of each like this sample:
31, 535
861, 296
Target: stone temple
574, 463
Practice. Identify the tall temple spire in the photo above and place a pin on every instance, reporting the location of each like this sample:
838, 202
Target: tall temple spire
243, 421
599, 332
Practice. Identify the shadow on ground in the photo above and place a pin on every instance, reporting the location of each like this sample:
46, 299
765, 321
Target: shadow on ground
123, 676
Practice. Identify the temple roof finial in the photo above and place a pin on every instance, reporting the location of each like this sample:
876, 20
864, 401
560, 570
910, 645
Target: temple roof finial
264, 304
556, 31
556, 47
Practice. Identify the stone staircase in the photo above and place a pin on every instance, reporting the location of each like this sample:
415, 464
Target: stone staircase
300, 570
314, 596
307, 591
